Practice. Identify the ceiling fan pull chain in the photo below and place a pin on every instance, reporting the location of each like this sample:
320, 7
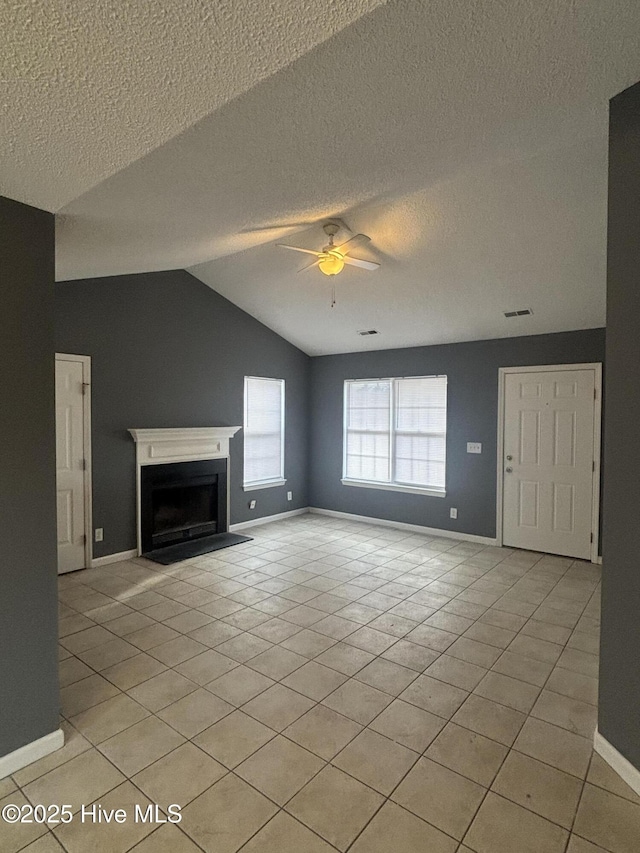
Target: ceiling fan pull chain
333, 295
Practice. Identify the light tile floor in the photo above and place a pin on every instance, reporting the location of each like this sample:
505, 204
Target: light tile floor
332, 685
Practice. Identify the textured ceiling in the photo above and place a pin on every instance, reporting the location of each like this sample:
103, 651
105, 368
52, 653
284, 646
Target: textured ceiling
468, 139
88, 87
455, 257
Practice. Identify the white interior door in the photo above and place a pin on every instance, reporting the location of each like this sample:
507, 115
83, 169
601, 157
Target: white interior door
71, 465
548, 461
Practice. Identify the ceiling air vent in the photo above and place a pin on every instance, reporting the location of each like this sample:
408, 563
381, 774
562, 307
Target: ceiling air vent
368, 332
523, 312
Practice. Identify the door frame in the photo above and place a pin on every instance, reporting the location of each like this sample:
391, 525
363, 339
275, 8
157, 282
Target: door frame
85, 360
597, 433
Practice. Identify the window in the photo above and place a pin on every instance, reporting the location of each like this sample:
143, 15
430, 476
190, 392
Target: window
263, 432
395, 433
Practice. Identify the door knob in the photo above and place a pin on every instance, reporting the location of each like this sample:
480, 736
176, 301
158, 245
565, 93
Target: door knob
508, 470
509, 458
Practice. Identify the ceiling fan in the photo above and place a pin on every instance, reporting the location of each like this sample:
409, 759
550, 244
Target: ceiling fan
331, 259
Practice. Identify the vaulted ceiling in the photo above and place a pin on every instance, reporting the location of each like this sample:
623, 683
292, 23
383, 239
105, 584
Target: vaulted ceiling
467, 139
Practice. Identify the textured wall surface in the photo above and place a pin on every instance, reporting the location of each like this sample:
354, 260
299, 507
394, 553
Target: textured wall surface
472, 371
166, 351
28, 581
618, 714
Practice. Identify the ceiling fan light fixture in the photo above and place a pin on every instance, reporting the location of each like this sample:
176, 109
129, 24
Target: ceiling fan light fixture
331, 263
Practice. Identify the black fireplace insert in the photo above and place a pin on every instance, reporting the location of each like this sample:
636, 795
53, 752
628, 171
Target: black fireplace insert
181, 502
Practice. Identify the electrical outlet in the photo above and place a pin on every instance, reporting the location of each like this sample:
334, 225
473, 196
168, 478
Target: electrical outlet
99, 534
252, 504
453, 512
474, 447
289, 496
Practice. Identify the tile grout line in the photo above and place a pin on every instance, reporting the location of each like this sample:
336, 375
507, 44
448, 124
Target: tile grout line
367, 591
511, 748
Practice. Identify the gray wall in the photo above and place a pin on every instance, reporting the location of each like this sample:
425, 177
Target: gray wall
619, 710
472, 371
28, 594
167, 351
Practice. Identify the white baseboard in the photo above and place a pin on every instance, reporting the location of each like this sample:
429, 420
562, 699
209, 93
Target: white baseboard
624, 768
113, 558
401, 525
280, 516
30, 752
242, 525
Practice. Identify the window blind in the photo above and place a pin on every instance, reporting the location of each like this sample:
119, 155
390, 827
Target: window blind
263, 430
368, 447
420, 431
395, 431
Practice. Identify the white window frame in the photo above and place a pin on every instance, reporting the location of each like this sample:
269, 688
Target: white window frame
276, 481
391, 486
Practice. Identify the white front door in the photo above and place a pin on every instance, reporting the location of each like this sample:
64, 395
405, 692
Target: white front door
548, 461
70, 464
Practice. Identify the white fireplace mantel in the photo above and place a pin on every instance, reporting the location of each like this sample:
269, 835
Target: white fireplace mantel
160, 446
164, 446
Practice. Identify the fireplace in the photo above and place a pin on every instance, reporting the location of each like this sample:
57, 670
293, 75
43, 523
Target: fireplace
182, 492
182, 501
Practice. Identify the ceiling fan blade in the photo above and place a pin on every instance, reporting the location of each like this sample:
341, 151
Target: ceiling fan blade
358, 240
298, 249
308, 266
356, 262
289, 226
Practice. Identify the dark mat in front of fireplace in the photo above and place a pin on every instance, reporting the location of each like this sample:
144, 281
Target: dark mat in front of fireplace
194, 548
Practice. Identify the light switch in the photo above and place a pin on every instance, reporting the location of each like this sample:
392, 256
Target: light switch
474, 447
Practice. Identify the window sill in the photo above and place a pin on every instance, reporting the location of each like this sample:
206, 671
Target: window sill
394, 487
270, 484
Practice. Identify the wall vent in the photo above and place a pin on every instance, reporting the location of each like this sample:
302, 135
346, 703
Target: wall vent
368, 332
523, 312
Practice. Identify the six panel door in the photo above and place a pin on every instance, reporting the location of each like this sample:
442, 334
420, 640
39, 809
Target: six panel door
548, 461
